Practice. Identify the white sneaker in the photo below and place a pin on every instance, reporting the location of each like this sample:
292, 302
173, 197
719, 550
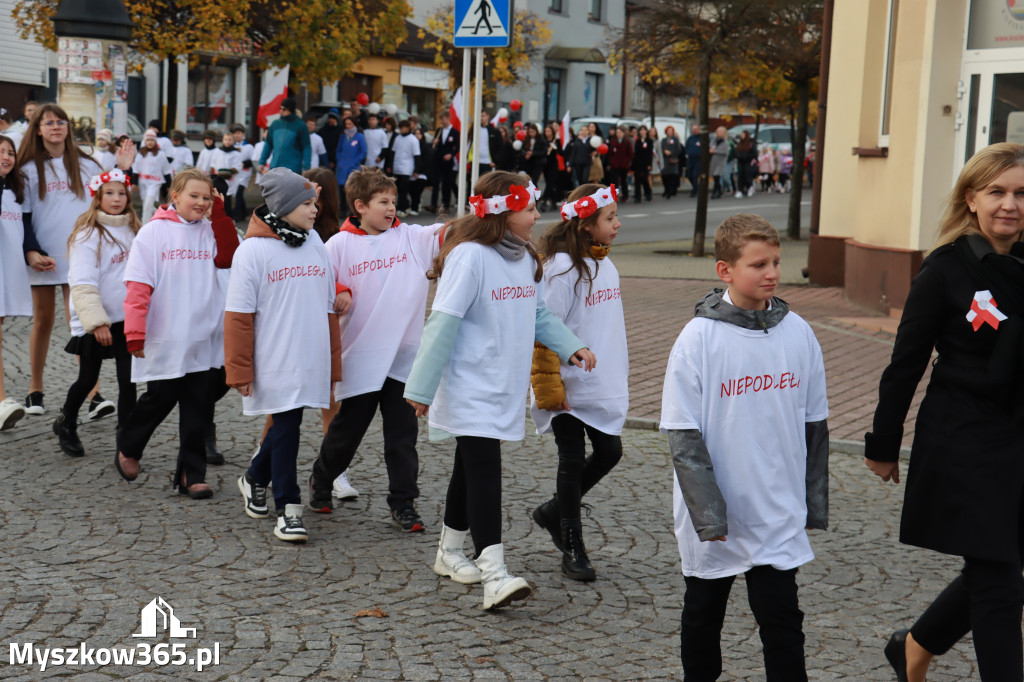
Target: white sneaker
412, 212
10, 412
401, 214
289, 524
750, 192
739, 195
342, 489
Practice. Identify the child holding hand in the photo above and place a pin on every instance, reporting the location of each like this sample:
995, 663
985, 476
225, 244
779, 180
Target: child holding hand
173, 323
744, 407
281, 338
98, 252
472, 369
581, 288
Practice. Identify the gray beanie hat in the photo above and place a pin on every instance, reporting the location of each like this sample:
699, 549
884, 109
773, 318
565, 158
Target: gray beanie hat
284, 190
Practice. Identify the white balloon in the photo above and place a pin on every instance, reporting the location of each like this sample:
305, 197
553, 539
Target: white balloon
373, 108
501, 115
517, 145
392, 108
596, 141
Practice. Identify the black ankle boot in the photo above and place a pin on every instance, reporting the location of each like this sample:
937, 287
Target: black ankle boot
67, 435
546, 516
575, 562
212, 456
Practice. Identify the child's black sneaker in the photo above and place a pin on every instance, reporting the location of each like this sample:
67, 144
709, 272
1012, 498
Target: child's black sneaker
407, 519
289, 524
34, 403
255, 497
320, 500
67, 436
100, 407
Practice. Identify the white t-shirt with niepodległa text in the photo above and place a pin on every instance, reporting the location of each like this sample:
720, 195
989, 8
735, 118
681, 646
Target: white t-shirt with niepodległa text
184, 325
484, 385
291, 291
54, 216
381, 331
15, 291
593, 312
100, 262
750, 393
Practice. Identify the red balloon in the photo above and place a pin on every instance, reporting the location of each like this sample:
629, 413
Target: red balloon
603, 149
520, 134
515, 105
363, 99
517, 125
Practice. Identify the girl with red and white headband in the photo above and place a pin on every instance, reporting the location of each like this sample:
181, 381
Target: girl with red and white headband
581, 288
472, 369
97, 254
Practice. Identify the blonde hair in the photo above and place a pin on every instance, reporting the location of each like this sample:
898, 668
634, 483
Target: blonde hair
90, 221
569, 236
737, 230
979, 172
488, 230
182, 177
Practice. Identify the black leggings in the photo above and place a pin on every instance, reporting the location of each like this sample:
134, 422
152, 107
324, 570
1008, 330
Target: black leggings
474, 491
577, 473
987, 599
89, 374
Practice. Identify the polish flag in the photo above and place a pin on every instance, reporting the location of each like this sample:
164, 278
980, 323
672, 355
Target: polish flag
274, 90
455, 110
563, 130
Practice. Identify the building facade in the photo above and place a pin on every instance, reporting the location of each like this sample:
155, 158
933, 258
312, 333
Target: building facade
915, 88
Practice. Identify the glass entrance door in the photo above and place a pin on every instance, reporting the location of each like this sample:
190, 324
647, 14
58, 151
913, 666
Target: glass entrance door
994, 109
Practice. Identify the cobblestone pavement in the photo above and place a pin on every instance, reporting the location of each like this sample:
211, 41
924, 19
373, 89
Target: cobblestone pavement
85, 551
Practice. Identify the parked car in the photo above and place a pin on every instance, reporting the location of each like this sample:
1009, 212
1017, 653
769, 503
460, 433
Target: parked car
605, 123
772, 134
680, 123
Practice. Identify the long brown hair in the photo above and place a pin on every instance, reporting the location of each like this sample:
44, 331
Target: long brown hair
488, 230
90, 221
33, 150
327, 223
569, 237
14, 180
979, 172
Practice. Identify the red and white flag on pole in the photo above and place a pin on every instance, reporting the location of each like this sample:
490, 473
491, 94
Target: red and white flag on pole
563, 130
274, 90
455, 109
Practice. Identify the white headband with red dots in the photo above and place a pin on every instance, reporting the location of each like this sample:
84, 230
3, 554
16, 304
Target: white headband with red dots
519, 197
588, 205
115, 175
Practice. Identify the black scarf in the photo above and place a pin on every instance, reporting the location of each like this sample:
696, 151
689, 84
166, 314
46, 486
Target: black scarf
288, 234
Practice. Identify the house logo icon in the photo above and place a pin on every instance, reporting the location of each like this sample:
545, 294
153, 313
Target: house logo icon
158, 614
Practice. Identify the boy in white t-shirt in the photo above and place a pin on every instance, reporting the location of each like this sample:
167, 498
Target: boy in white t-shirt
281, 339
380, 267
745, 410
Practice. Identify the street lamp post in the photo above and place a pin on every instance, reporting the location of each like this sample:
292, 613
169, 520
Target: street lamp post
92, 74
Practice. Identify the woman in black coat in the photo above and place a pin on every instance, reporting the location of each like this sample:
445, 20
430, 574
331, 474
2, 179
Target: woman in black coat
643, 159
965, 484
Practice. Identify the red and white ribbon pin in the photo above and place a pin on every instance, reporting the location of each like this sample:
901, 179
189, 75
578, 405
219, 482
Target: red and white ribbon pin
983, 309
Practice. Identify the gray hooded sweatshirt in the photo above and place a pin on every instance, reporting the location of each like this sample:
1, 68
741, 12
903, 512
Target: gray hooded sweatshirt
692, 461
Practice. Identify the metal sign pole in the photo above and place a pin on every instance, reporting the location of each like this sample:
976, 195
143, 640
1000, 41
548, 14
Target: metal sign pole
478, 97
464, 129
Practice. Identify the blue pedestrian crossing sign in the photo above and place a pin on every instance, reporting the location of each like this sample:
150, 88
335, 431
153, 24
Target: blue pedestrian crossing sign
483, 23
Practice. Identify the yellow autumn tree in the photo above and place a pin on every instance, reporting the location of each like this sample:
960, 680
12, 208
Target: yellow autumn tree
319, 39
503, 65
